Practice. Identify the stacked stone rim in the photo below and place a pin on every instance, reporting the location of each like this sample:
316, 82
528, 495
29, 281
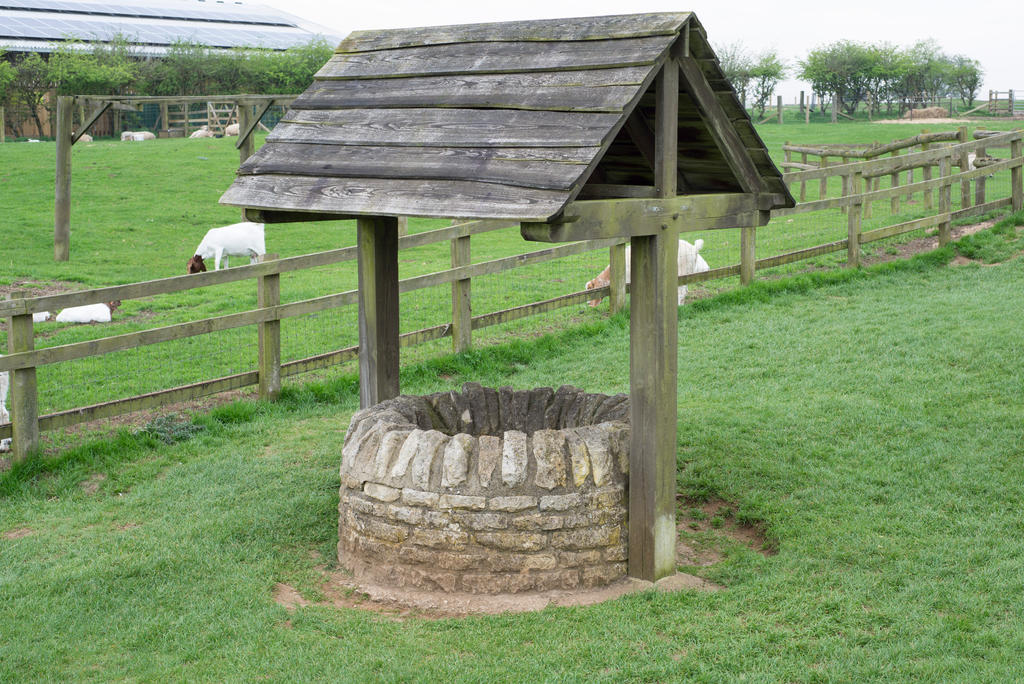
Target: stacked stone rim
487, 490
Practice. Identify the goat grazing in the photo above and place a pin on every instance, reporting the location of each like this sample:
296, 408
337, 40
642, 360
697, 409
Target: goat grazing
238, 239
90, 313
690, 261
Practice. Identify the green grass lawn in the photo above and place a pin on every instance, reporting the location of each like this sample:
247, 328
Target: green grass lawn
869, 421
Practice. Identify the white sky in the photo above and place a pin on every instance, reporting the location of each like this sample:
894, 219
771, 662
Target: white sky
990, 31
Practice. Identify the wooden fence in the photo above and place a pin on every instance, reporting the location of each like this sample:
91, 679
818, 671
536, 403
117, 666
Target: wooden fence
23, 358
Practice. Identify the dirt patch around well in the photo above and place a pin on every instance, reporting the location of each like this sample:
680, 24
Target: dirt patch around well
38, 288
706, 531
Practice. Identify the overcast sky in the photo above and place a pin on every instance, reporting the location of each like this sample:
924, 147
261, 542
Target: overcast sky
990, 31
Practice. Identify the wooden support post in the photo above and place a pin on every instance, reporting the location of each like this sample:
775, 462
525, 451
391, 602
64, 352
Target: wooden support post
1016, 178
268, 293
462, 308
979, 182
165, 122
779, 104
403, 226
24, 405
748, 254
964, 166
3, 126
62, 191
617, 277
653, 337
803, 107
835, 107
894, 180
946, 198
246, 145
853, 222
377, 241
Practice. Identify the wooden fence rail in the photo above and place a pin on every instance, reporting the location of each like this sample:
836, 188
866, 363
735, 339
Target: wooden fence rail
23, 358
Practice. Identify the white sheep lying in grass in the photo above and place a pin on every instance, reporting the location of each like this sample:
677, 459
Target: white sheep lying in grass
5, 417
238, 239
690, 261
90, 313
203, 132
129, 136
231, 129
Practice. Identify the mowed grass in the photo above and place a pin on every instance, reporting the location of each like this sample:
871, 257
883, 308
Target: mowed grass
869, 421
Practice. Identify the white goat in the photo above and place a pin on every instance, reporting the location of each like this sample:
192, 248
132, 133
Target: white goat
231, 129
690, 261
85, 137
203, 132
5, 417
40, 316
238, 239
129, 136
90, 313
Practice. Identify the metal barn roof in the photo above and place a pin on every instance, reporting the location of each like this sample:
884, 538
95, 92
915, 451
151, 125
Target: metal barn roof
505, 120
151, 25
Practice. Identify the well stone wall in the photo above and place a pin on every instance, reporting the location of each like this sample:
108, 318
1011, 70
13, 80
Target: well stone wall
487, 491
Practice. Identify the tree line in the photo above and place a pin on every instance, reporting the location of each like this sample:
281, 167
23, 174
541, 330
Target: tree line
115, 68
858, 74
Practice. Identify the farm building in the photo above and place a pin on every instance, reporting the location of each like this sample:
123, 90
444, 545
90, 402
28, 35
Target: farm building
150, 28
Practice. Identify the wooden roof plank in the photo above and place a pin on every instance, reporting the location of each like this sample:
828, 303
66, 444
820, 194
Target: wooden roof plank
591, 90
552, 168
394, 197
444, 127
494, 58
583, 28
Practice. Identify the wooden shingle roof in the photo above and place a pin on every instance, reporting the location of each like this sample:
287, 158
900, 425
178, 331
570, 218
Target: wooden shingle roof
506, 120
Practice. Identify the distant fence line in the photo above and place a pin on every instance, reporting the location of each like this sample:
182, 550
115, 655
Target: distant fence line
858, 193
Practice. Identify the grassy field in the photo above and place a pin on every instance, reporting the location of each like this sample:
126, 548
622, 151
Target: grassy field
139, 211
868, 421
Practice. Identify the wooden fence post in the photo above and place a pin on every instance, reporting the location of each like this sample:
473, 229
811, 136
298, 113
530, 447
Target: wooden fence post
823, 191
835, 107
926, 174
165, 119
788, 157
945, 198
617, 277
248, 146
268, 293
1016, 177
24, 392
803, 183
3, 126
779, 101
462, 303
853, 221
403, 226
979, 182
748, 254
62, 186
894, 181
377, 242
964, 166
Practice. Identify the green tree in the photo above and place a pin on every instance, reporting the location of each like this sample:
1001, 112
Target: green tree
765, 75
29, 86
965, 78
843, 68
80, 69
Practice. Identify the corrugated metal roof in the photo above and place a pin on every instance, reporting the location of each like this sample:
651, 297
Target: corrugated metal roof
153, 25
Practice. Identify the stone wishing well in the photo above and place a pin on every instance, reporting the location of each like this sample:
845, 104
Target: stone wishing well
487, 491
